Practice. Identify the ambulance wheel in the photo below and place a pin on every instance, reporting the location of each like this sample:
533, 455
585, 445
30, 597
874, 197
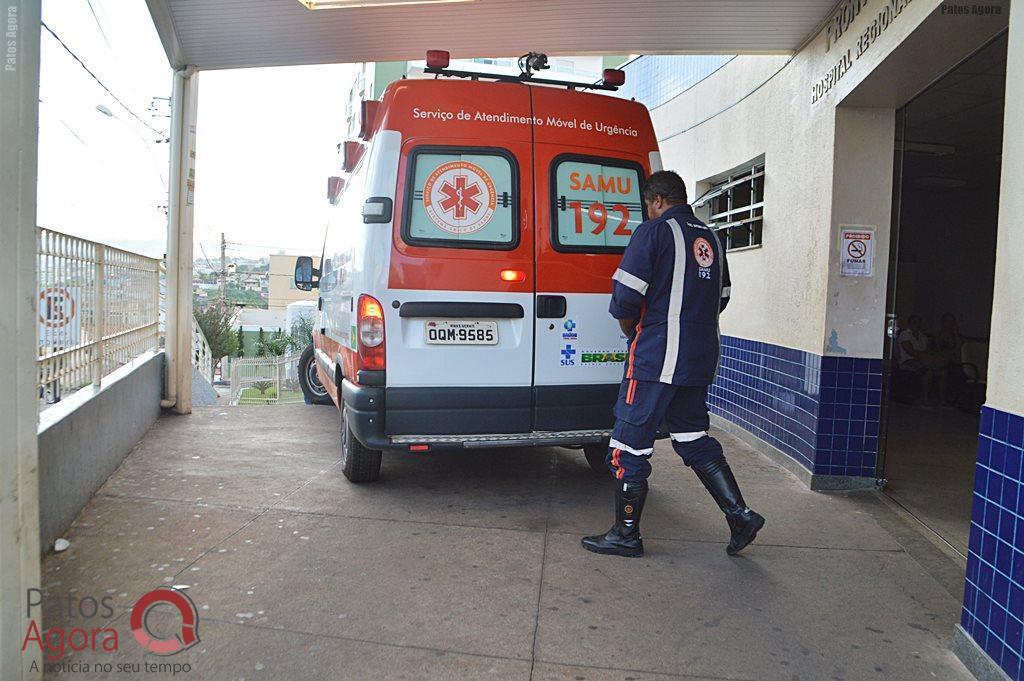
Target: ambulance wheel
312, 389
596, 457
358, 463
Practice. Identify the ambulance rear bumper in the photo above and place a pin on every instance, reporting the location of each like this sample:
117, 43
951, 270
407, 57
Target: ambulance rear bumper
366, 413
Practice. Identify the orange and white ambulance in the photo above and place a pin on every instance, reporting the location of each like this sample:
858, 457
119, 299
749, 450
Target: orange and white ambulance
466, 271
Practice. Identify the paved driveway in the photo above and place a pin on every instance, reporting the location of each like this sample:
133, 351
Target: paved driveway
468, 566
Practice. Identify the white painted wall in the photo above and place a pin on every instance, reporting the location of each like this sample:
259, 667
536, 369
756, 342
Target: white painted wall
1006, 362
827, 163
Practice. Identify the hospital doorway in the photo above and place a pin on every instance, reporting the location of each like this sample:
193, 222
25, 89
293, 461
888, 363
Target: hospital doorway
948, 156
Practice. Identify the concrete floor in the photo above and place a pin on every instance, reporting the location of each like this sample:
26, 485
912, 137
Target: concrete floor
930, 467
468, 566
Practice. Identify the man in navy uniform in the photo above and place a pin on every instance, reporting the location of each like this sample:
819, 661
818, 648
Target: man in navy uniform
670, 287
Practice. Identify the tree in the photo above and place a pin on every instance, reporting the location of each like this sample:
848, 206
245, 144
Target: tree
274, 345
217, 325
241, 341
301, 333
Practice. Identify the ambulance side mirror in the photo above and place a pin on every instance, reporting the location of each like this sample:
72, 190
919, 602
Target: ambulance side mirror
307, 277
377, 209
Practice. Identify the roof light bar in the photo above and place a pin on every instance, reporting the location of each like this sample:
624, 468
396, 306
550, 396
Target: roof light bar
438, 60
347, 4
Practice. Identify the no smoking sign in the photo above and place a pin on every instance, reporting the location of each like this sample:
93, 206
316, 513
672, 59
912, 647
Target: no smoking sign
858, 251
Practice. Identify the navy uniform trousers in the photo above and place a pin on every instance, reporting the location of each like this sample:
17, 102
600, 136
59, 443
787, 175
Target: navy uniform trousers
641, 408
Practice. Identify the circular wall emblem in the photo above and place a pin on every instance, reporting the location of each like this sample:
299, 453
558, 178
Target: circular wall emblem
459, 197
703, 252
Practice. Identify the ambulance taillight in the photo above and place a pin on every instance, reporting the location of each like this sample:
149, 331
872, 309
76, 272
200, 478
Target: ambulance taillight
438, 59
370, 322
616, 77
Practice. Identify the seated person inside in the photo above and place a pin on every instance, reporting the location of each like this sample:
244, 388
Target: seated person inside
917, 356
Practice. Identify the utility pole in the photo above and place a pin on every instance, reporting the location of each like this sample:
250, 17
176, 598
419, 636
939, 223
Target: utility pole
223, 271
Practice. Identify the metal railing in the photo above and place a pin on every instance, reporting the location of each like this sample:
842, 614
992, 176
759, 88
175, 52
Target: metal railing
202, 356
98, 309
266, 380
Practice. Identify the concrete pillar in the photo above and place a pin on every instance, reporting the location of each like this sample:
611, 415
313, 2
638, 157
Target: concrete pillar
861, 199
19, 406
1006, 364
988, 639
184, 99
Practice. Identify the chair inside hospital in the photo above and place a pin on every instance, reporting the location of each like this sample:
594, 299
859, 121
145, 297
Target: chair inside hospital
974, 365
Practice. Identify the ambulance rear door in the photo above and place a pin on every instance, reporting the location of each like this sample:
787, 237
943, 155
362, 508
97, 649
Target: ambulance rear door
460, 283
588, 204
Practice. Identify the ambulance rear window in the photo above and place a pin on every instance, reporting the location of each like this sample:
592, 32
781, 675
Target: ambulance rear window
596, 203
462, 198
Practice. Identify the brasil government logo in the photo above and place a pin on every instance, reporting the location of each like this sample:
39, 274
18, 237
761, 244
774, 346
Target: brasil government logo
459, 197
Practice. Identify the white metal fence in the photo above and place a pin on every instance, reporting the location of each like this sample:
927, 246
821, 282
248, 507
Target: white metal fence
266, 380
98, 308
202, 356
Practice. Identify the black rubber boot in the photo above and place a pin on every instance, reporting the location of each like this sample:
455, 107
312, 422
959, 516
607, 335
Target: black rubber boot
720, 482
623, 539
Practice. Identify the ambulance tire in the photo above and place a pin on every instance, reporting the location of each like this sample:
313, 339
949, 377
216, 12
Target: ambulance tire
358, 463
313, 390
597, 456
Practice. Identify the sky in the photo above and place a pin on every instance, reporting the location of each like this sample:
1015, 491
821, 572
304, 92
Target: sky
265, 139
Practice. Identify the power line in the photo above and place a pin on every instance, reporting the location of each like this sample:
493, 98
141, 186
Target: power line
102, 85
206, 257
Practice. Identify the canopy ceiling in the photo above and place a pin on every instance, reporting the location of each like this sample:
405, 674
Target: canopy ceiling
217, 34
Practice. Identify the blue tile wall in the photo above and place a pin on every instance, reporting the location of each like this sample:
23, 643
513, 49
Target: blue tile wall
822, 411
994, 591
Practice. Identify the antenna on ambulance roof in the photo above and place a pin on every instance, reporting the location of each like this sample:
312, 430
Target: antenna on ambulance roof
533, 61
438, 61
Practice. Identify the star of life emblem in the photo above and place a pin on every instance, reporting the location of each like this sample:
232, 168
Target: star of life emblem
703, 252
459, 197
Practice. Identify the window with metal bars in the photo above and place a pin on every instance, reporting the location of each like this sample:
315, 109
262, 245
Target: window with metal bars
734, 206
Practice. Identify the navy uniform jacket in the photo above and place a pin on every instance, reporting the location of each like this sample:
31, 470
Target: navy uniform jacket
674, 279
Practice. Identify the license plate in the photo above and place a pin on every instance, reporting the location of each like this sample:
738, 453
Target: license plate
461, 333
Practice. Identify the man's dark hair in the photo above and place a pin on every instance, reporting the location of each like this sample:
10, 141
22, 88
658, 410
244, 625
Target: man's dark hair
667, 184
912, 317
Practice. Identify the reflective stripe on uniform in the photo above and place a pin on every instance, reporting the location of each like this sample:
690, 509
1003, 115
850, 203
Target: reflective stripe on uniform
723, 288
636, 339
615, 444
726, 292
675, 303
688, 437
619, 470
631, 391
632, 281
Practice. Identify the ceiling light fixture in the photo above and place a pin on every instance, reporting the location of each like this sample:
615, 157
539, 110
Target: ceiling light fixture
347, 4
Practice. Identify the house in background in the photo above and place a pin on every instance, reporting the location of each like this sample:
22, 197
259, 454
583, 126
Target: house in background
281, 287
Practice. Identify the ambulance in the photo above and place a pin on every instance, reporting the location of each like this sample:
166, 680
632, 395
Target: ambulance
466, 269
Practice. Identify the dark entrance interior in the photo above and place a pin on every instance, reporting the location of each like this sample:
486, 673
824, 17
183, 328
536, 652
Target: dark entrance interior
949, 144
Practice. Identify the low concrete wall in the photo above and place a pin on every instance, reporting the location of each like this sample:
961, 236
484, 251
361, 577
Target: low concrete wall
85, 437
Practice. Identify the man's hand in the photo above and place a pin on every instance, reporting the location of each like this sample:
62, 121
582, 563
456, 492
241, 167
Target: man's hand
627, 326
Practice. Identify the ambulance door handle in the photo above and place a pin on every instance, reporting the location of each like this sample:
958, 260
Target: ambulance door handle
551, 307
